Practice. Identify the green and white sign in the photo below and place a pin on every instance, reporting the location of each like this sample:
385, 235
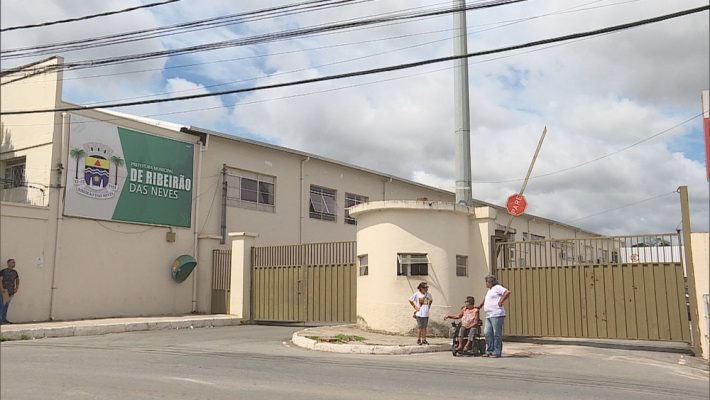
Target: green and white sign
119, 174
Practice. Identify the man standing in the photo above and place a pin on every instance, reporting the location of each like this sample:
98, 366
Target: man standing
495, 315
9, 284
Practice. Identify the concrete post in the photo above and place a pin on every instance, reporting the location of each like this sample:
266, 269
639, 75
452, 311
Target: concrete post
240, 283
690, 272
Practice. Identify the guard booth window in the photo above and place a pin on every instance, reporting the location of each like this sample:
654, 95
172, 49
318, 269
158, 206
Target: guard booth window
412, 264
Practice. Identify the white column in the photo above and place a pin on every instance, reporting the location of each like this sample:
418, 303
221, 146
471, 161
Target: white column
240, 283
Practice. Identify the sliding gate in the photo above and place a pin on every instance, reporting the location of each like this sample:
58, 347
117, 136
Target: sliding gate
624, 287
312, 282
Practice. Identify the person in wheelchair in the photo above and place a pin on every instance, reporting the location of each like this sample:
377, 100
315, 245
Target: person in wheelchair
470, 324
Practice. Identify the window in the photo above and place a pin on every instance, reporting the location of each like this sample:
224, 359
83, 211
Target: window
461, 265
352, 200
362, 260
250, 190
14, 175
615, 256
412, 264
534, 238
323, 203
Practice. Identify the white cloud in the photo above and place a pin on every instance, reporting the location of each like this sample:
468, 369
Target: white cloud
596, 96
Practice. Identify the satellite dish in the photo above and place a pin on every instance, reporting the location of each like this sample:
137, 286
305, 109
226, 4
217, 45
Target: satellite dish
182, 267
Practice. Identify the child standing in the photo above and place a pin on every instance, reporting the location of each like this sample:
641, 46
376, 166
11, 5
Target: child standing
421, 301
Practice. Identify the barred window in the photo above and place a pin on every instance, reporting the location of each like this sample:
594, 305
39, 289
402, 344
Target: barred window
412, 264
322, 204
533, 238
250, 190
14, 172
362, 260
352, 200
461, 265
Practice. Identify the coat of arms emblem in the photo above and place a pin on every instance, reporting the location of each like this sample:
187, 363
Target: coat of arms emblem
96, 178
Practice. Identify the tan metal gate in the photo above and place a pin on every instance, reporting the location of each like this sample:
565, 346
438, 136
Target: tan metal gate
221, 276
308, 282
623, 287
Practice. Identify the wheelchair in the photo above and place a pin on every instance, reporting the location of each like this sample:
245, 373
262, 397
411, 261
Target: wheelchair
476, 348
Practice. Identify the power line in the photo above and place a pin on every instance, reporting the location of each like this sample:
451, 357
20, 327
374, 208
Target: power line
185, 27
624, 206
377, 70
494, 25
600, 157
104, 14
469, 31
282, 35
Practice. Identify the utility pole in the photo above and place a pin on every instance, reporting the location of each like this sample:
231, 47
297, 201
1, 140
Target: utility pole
463, 119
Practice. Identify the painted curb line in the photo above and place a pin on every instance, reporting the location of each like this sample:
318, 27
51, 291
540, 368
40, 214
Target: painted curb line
107, 328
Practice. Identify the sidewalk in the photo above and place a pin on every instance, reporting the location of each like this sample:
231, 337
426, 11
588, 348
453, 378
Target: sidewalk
357, 341
325, 338
38, 330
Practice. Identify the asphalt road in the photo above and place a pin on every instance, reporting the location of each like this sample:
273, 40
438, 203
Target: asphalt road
257, 362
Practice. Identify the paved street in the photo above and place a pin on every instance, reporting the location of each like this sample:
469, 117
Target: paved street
256, 362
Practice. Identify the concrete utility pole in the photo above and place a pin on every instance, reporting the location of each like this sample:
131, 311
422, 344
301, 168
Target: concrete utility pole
463, 119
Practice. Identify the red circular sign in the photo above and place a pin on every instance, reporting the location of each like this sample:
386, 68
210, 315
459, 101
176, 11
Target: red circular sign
516, 204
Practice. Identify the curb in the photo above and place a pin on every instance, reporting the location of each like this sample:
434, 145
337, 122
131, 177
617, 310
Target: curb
299, 339
107, 328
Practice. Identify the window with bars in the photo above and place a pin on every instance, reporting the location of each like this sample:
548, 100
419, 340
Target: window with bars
352, 200
461, 265
14, 172
363, 262
533, 238
412, 264
322, 205
250, 190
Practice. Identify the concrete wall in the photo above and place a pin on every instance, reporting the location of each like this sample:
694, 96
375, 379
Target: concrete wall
25, 237
701, 265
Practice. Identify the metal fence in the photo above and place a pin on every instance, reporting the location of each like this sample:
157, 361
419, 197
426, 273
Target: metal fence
659, 248
221, 280
306, 282
621, 287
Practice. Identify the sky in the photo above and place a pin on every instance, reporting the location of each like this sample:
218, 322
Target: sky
622, 110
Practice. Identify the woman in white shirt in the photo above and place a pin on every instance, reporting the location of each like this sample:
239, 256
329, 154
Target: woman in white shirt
495, 315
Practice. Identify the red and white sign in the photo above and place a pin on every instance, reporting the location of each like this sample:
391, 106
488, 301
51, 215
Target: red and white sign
516, 204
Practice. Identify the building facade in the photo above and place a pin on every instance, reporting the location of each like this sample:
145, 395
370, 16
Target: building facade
95, 209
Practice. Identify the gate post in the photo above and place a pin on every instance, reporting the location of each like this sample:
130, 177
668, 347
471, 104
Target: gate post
688, 256
240, 283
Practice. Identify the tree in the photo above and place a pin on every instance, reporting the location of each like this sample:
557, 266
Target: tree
77, 153
117, 161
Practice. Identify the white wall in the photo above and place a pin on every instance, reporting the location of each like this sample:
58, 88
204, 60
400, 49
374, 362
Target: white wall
24, 238
701, 265
30, 135
442, 230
